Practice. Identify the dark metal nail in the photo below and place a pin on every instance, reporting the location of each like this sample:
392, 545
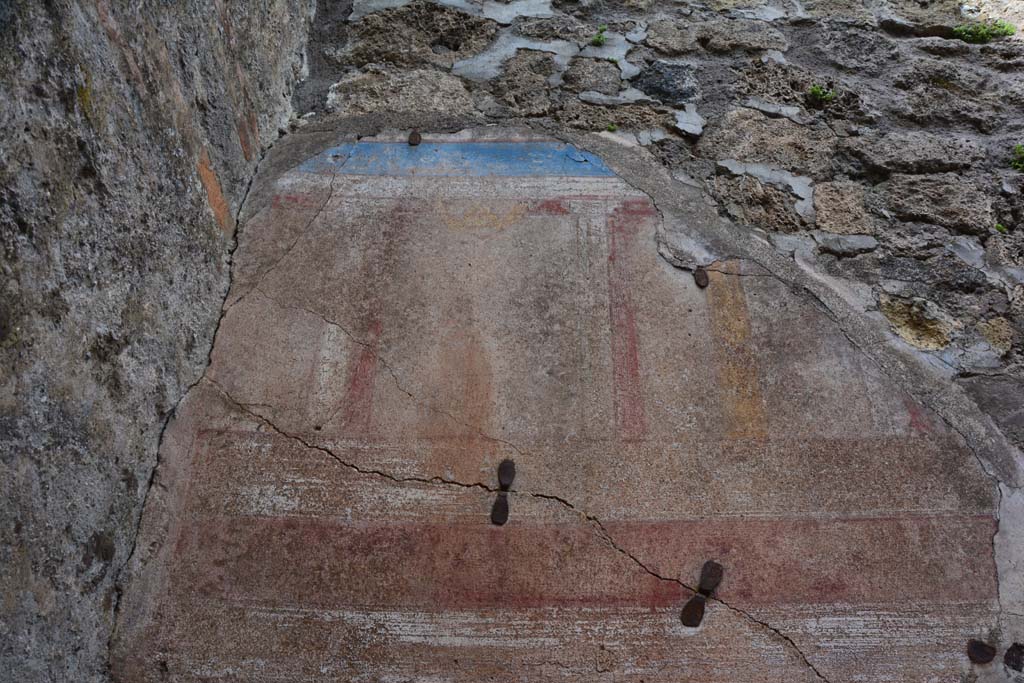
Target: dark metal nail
506, 474
499, 513
980, 652
693, 611
415, 138
1014, 657
710, 577
700, 276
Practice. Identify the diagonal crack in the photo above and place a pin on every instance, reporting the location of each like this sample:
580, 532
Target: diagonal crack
291, 247
592, 520
167, 417
262, 419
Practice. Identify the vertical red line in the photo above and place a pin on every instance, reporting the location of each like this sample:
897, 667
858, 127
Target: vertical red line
357, 415
623, 227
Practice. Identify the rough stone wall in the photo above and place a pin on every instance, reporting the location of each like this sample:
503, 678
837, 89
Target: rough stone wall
129, 134
895, 181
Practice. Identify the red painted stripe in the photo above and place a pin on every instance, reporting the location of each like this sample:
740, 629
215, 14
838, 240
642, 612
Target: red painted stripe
357, 413
279, 561
320, 563
623, 228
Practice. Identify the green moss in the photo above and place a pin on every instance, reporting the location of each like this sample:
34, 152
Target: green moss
600, 38
1000, 228
611, 128
88, 105
1017, 158
984, 31
84, 94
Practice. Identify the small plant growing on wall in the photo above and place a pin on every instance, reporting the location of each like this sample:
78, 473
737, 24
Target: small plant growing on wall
984, 31
1017, 158
600, 38
819, 97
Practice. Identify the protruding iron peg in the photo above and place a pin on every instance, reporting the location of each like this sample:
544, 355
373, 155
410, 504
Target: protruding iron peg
415, 138
1014, 657
506, 474
710, 577
499, 513
980, 652
700, 276
693, 611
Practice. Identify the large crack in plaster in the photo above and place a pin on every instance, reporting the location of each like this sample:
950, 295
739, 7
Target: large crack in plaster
298, 238
592, 520
170, 415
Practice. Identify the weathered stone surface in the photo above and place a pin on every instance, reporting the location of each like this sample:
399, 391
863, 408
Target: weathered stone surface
555, 28
673, 84
598, 75
749, 135
941, 46
758, 203
936, 16
839, 208
940, 93
912, 152
845, 245
419, 33
379, 90
129, 134
778, 83
918, 321
856, 51
768, 81
998, 332
999, 396
944, 199
840, 9
672, 37
524, 83
594, 117
675, 38
726, 36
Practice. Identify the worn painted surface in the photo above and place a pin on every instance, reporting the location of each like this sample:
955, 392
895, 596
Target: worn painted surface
402, 319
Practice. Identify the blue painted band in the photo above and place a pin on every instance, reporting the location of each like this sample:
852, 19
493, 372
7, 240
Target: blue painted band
457, 159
